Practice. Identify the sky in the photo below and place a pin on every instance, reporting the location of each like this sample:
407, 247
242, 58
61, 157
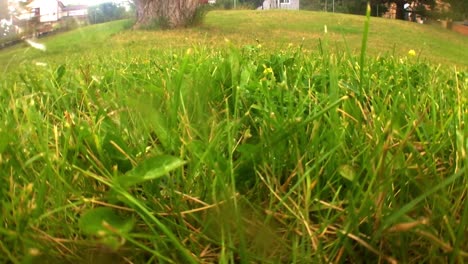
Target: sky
89, 2
82, 2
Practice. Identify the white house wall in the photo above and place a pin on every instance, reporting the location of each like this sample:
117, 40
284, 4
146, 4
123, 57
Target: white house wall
275, 4
293, 4
49, 14
49, 11
80, 12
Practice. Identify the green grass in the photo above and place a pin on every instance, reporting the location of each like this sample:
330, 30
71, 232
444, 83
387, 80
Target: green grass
181, 147
272, 29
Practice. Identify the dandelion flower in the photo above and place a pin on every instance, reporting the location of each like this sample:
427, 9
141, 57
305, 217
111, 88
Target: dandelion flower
412, 53
34, 252
41, 64
267, 70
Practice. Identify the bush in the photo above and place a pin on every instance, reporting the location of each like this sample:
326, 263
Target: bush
69, 23
200, 14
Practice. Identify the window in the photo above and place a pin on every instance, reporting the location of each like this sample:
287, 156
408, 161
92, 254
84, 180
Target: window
284, 1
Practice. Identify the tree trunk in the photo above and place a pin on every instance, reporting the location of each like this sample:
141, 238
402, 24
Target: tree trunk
400, 10
165, 13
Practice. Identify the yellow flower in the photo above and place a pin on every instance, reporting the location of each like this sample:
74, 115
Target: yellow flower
267, 70
412, 53
34, 252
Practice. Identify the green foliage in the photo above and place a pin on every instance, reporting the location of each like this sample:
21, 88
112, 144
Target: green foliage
458, 11
105, 12
199, 15
343, 6
253, 3
239, 4
310, 5
434, 44
103, 221
150, 169
69, 23
225, 4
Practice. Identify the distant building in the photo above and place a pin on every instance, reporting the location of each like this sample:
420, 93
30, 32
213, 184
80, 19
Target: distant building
281, 4
211, 2
79, 12
44, 10
42, 16
53, 10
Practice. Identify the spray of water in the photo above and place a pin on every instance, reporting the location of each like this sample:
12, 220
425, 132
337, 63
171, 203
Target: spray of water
36, 45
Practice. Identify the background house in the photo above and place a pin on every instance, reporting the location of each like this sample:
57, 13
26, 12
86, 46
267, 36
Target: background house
281, 4
47, 15
53, 10
45, 10
79, 12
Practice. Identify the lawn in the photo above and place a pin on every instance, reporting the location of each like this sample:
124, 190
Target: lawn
253, 138
273, 30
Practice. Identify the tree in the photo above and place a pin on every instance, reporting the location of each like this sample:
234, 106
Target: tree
165, 13
105, 12
458, 9
254, 3
310, 5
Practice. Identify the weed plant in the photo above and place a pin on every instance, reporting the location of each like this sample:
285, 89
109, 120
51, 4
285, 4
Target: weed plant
234, 155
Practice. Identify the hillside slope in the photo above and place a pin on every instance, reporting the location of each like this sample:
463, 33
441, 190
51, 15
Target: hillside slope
385, 36
271, 29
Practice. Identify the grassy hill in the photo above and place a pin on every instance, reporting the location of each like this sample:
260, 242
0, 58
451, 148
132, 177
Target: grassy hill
272, 29
254, 138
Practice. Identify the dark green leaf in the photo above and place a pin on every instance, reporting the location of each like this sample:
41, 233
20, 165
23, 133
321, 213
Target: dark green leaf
60, 72
151, 169
347, 172
103, 221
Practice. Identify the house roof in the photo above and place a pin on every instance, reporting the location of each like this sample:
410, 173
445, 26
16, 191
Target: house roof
41, 3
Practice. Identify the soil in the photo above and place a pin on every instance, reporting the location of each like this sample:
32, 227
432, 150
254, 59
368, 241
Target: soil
460, 28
